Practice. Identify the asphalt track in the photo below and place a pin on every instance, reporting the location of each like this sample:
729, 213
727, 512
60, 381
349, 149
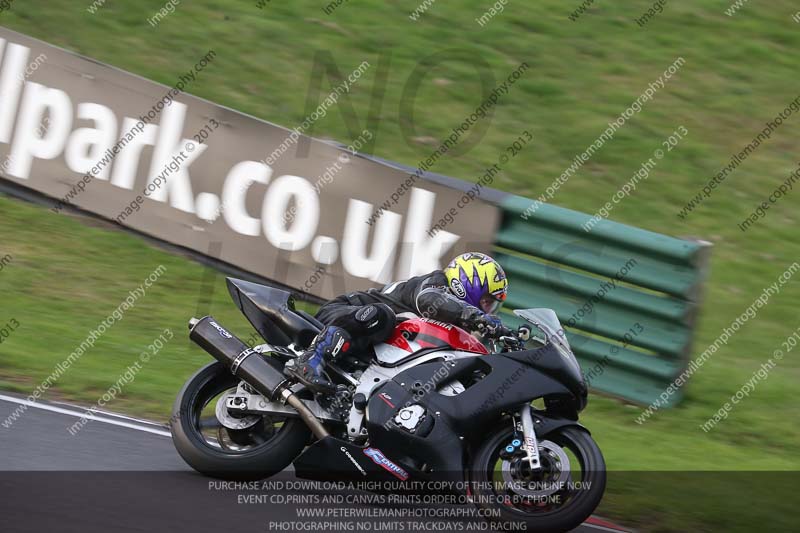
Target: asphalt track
115, 474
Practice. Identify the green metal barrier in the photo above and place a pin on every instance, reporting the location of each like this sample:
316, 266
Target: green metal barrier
628, 297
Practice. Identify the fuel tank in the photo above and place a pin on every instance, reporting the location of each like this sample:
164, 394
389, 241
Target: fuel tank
412, 336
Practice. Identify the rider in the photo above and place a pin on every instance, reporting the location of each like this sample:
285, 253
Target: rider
467, 293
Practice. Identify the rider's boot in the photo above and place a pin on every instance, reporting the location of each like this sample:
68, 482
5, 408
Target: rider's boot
326, 346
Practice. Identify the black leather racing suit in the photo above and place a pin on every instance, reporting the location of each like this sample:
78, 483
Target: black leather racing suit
370, 316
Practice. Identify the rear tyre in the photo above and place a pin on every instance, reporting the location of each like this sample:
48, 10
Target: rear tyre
557, 498
264, 445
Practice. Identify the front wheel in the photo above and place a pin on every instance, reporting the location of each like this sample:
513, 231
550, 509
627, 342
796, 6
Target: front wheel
557, 497
220, 444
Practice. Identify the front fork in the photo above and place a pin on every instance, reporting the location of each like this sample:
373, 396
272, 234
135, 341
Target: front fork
529, 443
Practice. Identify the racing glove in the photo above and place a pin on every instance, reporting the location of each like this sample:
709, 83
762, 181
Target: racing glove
478, 320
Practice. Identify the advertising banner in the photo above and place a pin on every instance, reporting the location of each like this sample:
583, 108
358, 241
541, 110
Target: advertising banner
266, 199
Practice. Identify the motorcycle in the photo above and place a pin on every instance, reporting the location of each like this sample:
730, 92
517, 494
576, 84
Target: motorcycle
432, 402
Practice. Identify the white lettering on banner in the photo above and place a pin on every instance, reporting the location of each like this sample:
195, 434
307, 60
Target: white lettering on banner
127, 162
16, 57
170, 146
377, 265
277, 201
37, 102
423, 253
109, 148
325, 250
234, 192
79, 155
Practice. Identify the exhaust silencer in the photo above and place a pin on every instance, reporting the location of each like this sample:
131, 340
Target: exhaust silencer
243, 362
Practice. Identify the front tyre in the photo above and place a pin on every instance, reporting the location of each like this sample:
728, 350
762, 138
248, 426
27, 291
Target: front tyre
255, 448
558, 497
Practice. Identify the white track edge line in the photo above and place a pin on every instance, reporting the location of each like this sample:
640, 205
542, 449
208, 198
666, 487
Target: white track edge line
112, 414
84, 414
603, 528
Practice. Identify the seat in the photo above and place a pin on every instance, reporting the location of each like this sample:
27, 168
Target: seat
311, 319
271, 312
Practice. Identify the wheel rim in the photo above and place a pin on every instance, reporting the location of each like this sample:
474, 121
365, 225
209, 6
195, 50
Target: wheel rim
254, 431
547, 491
556, 472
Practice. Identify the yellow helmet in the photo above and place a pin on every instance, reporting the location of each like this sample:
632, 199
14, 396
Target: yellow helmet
477, 279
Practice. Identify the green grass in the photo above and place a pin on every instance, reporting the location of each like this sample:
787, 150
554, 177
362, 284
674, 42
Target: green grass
68, 274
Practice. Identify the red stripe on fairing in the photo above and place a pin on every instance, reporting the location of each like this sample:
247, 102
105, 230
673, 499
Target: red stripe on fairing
434, 334
387, 402
399, 341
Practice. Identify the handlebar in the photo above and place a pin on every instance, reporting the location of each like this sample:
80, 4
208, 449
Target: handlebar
508, 337
504, 335
503, 331
493, 333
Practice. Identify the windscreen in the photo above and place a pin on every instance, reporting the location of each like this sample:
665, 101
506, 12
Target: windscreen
546, 321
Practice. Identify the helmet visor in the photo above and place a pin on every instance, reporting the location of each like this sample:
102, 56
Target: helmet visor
489, 304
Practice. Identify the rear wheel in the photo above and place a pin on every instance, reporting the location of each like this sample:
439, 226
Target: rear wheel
558, 497
218, 444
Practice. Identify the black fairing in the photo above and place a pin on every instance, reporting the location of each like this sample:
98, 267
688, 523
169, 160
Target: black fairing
506, 386
271, 311
332, 459
548, 360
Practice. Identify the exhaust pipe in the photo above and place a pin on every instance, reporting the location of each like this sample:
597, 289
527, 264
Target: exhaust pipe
237, 357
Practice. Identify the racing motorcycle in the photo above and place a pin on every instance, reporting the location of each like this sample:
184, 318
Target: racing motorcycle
432, 402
